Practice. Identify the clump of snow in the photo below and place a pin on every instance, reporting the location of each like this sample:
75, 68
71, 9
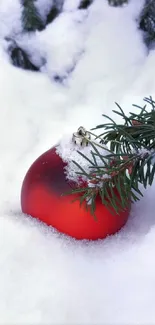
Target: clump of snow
70, 5
45, 48
68, 151
10, 24
44, 7
115, 33
70, 37
144, 153
77, 32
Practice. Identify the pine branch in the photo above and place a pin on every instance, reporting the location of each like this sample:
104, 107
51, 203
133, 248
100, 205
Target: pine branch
117, 3
55, 10
53, 13
84, 4
21, 60
130, 161
31, 18
147, 21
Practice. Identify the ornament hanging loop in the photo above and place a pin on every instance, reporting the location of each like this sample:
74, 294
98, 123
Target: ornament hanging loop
81, 137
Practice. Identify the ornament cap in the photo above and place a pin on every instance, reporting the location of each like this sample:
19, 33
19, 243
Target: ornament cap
81, 137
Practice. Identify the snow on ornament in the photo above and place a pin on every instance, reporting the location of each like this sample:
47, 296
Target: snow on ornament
46, 191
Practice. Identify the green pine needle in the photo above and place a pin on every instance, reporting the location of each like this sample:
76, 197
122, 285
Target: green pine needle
132, 144
31, 18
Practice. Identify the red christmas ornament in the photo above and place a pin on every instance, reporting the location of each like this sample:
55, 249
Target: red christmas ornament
41, 197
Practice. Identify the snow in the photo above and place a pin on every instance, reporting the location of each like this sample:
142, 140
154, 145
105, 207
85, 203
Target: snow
44, 7
69, 152
70, 5
45, 277
10, 23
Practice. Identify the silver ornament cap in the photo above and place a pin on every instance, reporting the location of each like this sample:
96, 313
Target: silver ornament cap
81, 137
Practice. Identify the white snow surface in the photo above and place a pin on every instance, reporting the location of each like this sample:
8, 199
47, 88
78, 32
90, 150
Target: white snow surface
45, 277
69, 152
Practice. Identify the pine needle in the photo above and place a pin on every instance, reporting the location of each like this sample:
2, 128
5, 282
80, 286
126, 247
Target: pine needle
127, 144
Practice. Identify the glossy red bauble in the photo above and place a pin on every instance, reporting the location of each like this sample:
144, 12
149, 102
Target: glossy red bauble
41, 197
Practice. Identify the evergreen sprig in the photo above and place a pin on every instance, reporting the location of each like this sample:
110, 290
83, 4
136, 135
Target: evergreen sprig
31, 18
129, 163
147, 21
